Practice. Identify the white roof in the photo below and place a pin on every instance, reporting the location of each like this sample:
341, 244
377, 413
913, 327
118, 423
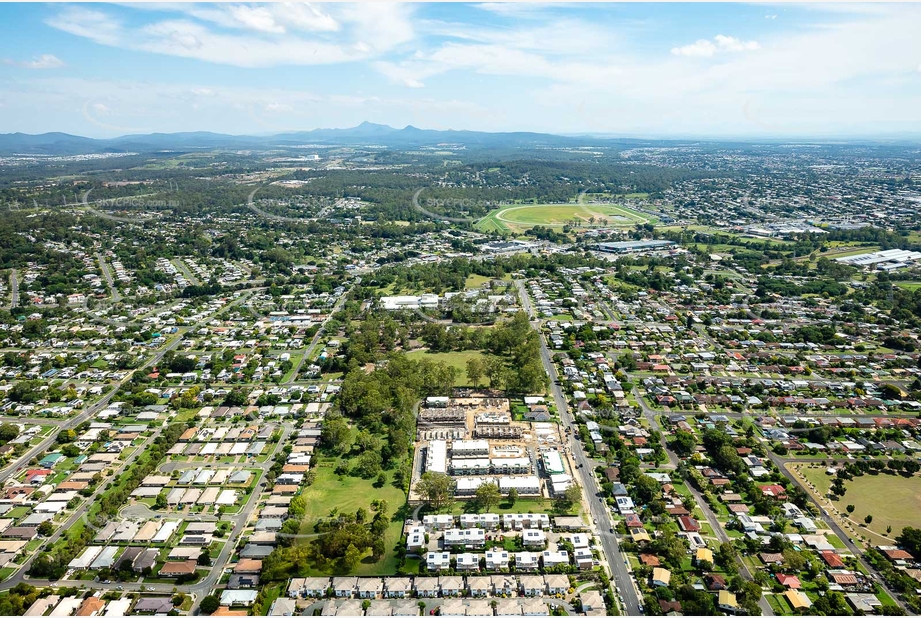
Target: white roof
86, 558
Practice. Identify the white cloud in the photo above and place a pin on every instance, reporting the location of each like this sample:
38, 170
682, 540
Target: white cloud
45, 61
88, 23
703, 48
252, 36
730, 43
521, 9
562, 73
259, 18
275, 106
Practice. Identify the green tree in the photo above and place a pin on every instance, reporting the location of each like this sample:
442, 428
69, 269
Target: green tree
794, 560
8, 432
684, 443
437, 488
210, 604
512, 496
488, 496
335, 434
495, 371
476, 368
572, 495
351, 558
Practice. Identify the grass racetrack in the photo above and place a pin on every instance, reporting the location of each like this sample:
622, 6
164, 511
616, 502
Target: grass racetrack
516, 218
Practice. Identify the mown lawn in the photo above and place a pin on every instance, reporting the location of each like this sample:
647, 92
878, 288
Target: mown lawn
458, 360
891, 500
475, 281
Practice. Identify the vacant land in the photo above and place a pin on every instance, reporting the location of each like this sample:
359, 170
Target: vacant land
347, 494
891, 500
475, 281
519, 217
458, 360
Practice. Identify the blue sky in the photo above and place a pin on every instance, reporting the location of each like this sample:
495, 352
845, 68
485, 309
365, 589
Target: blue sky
703, 70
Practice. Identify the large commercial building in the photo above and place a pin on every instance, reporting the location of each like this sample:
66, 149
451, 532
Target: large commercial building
633, 246
890, 259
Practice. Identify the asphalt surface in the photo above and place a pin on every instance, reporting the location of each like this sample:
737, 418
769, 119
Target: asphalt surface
621, 575
107, 275
709, 515
180, 264
830, 521
14, 288
316, 339
15, 466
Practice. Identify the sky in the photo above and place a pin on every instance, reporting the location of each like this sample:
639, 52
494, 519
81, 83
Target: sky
634, 69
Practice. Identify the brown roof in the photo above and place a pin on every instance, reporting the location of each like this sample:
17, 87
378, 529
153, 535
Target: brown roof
186, 567
715, 582
294, 468
669, 606
72, 485
846, 579
226, 611
90, 606
649, 560
284, 489
831, 559
897, 554
248, 565
771, 558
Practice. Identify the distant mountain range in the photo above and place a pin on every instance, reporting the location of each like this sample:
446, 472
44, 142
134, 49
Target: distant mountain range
370, 134
365, 134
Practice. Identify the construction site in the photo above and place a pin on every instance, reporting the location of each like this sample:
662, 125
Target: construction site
475, 441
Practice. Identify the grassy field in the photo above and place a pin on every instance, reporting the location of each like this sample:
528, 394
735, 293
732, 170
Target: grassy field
522, 505
475, 281
847, 251
891, 500
519, 217
348, 494
911, 286
458, 360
